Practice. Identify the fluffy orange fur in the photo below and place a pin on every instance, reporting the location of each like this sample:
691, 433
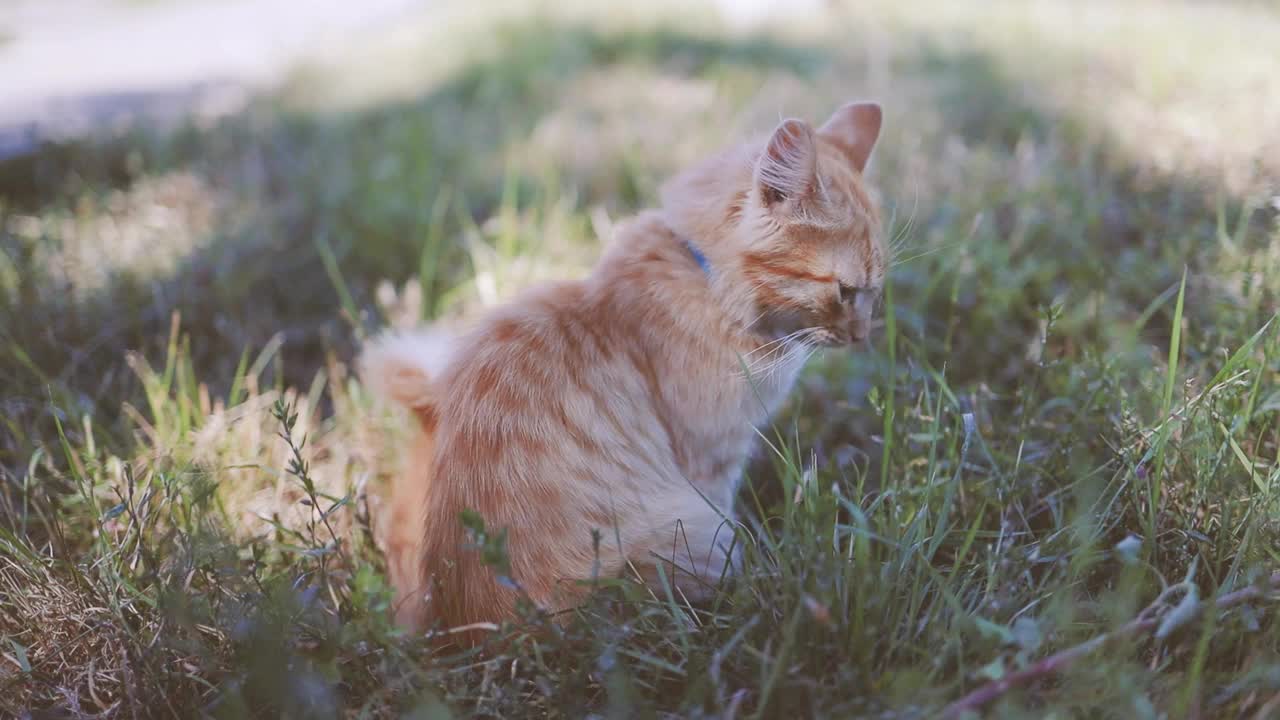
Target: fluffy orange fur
629, 401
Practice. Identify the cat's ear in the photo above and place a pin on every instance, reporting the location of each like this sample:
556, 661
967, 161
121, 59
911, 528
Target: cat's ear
788, 165
854, 128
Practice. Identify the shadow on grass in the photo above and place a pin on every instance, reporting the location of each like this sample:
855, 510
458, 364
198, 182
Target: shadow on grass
360, 182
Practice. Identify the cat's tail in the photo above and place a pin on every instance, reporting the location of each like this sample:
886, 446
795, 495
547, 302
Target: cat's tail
403, 367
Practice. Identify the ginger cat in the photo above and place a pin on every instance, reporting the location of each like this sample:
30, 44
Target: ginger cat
629, 401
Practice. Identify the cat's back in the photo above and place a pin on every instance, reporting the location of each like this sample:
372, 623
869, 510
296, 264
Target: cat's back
514, 356
554, 365
565, 343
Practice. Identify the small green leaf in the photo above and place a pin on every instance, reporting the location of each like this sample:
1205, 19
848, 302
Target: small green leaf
20, 655
994, 630
993, 670
1181, 614
1245, 462
1026, 633
342, 502
471, 520
1128, 549
1270, 404
429, 707
1143, 709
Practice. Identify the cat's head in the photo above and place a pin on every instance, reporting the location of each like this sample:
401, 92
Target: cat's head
792, 224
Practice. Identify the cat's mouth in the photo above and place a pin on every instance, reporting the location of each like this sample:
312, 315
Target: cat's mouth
828, 339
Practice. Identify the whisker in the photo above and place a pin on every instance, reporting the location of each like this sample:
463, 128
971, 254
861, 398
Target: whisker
791, 336
973, 230
899, 239
801, 348
782, 339
766, 372
931, 251
764, 367
756, 319
768, 358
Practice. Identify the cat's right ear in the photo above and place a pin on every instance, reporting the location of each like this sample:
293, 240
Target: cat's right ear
788, 165
854, 129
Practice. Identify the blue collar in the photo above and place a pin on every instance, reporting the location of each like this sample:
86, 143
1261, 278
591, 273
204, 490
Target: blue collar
698, 257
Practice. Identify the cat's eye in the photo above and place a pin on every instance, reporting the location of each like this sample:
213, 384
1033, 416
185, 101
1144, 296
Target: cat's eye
848, 293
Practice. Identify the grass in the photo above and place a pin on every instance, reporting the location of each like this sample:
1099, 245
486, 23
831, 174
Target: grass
1071, 411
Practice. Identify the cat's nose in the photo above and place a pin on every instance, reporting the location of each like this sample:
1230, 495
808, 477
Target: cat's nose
860, 325
859, 330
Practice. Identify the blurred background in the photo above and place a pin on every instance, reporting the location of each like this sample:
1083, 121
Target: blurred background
188, 155
206, 206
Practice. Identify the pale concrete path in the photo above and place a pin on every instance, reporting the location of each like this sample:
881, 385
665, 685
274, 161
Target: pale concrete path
71, 66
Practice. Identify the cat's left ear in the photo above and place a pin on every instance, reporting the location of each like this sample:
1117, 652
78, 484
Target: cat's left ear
854, 128
788, 165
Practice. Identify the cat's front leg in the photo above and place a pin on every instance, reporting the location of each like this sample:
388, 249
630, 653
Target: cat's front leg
696, 552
